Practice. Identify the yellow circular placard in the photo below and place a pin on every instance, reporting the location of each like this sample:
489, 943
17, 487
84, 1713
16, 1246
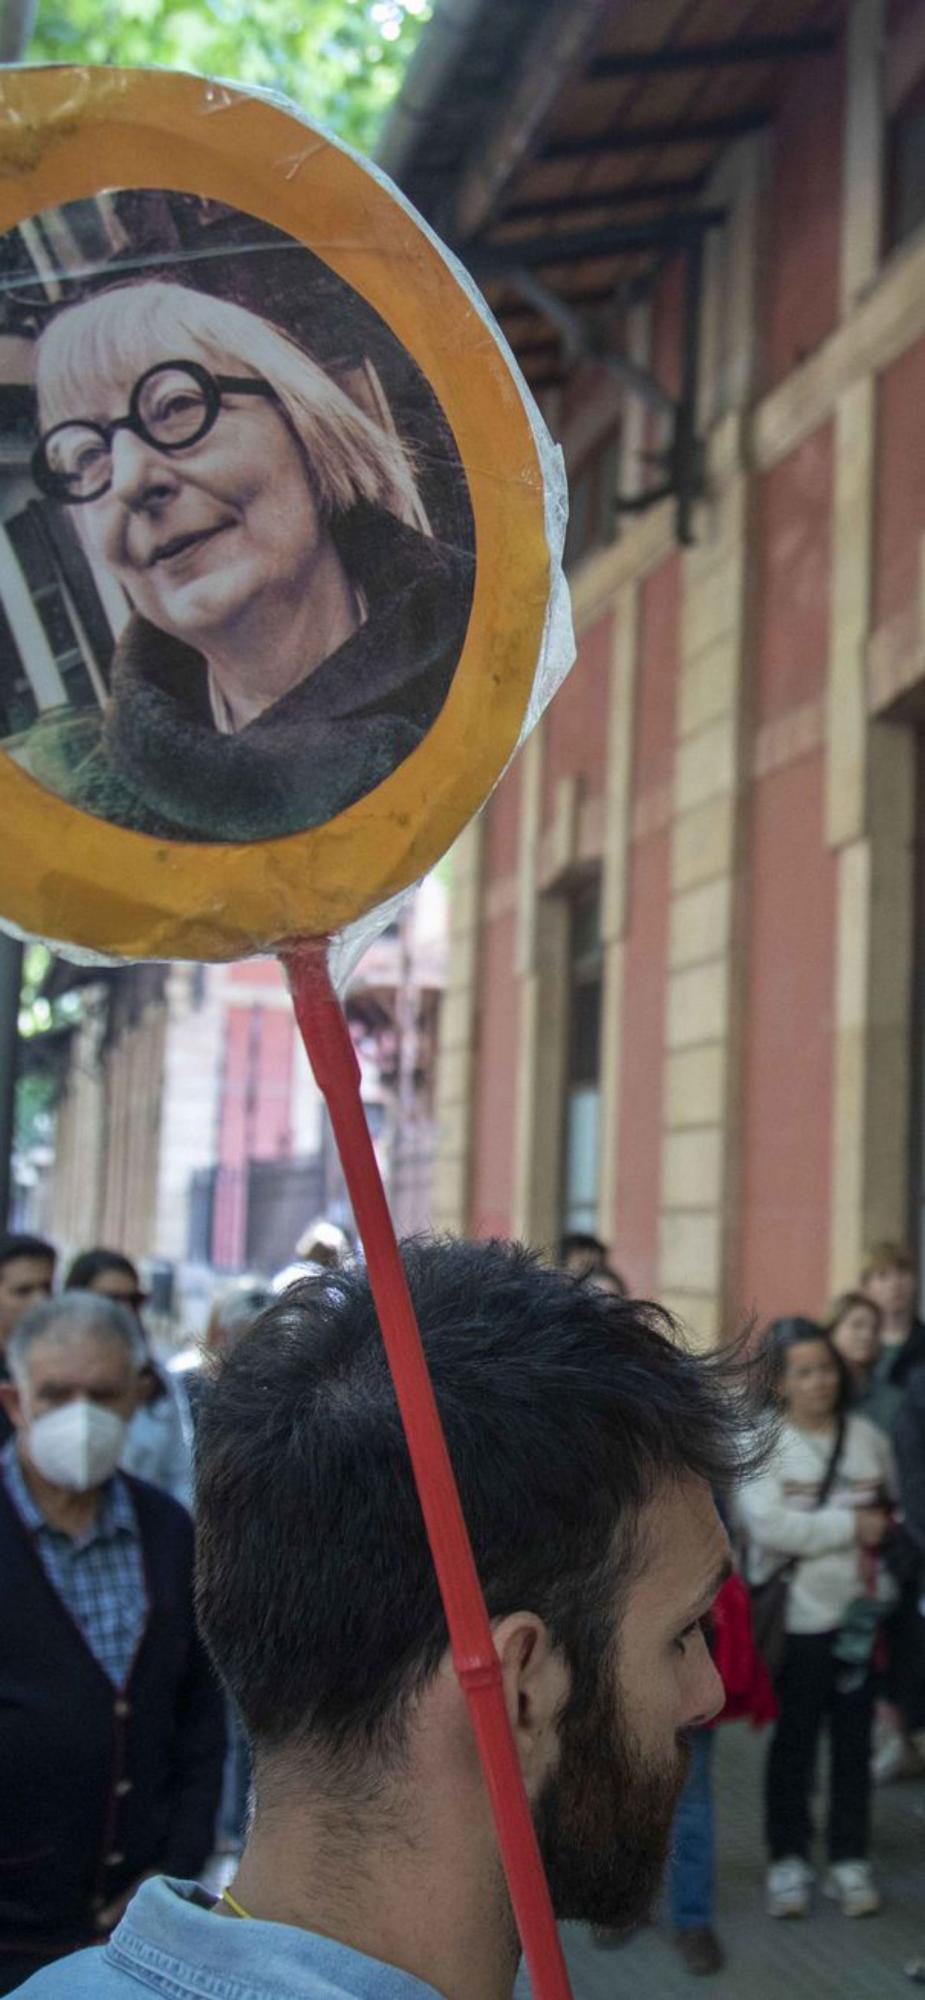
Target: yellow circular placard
66, 874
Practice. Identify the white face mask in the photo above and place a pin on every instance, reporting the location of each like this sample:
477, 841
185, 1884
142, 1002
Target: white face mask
77, 1446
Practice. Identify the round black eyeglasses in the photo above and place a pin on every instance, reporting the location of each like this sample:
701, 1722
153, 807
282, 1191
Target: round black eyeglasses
172, 405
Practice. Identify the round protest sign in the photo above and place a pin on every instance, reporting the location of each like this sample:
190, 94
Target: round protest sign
278, 525
280, 593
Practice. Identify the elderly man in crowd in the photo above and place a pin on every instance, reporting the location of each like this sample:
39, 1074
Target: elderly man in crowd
111, 1724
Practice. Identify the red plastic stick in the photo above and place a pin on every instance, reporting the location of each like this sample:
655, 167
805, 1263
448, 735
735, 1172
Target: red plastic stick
333, 1059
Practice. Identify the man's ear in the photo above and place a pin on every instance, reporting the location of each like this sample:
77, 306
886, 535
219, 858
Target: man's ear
11, 1402
536, 1684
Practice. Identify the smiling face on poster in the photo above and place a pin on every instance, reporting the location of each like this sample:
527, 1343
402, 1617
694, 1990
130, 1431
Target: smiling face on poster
285, 596
275, 574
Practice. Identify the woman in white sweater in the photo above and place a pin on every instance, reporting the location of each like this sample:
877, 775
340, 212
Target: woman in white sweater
785, 1523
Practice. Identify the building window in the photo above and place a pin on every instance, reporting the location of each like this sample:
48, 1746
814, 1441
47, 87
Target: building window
18, 707
37, 563
581, 1159
904, 98
592, 517
906, 168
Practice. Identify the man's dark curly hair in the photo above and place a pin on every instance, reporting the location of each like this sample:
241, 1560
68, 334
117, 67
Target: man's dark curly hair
565, 1411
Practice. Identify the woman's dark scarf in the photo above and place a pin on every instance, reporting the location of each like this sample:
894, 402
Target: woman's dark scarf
157, 763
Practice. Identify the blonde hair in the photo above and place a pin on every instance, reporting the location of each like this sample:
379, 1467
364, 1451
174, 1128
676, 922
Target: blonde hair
886, 1257
120, 331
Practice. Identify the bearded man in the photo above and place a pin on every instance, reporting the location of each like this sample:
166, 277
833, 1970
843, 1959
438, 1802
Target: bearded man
586, 1442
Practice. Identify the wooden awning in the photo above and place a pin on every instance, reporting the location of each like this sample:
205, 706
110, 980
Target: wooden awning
577, 140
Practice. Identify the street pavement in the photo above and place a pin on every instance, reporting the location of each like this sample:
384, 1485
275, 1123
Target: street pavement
823, 1957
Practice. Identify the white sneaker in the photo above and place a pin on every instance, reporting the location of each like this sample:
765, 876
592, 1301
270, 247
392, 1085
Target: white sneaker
788, 1886
897, 1757
851, 1884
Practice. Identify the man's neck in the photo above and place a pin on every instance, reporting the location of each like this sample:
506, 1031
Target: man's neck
72, 1513
409, 1898
896, 1329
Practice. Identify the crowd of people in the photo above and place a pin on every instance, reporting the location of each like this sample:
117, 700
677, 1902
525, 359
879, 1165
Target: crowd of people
739, 1535
830, 1537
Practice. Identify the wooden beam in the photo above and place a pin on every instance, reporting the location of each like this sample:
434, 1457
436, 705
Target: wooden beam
712, 55
496, 260
558, 50
591, 295
634, 195
536, 348
634, 138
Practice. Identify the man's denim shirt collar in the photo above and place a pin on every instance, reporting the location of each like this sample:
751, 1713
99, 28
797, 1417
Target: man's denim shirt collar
174, 1945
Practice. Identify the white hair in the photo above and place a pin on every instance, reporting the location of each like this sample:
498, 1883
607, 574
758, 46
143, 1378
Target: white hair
121, 331
71, 1317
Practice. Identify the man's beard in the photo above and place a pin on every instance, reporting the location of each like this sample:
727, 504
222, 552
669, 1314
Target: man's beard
604, 1819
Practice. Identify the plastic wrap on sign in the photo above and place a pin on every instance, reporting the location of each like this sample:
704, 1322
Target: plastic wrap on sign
280, 593
280, 526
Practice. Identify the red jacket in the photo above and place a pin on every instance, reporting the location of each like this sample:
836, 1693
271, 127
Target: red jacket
742, 1670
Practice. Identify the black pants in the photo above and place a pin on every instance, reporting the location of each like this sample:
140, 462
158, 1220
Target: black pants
904, 1680
809, 1694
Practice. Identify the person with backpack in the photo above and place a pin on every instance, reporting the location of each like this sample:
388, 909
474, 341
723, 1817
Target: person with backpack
814, 1519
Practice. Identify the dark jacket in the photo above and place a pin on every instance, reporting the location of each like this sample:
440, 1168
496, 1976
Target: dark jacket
909, 1445
885, 1394
99, 1783
156, 762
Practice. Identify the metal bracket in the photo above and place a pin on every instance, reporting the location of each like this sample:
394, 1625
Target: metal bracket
682, 463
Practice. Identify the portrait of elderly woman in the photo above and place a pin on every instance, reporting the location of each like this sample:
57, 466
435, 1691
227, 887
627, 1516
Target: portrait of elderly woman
293, 624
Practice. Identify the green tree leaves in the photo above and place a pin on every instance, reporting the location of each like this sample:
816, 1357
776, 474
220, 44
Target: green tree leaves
341, 61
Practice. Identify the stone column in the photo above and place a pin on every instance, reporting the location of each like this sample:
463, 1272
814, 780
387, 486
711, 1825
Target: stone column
698, 1234
541, 971
615, 871
703, 1014
870, 776
870, 821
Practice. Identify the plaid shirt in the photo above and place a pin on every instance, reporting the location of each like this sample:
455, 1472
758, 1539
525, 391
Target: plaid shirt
99, 1576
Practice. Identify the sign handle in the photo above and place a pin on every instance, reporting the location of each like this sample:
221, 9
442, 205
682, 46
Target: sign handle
323, 1026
